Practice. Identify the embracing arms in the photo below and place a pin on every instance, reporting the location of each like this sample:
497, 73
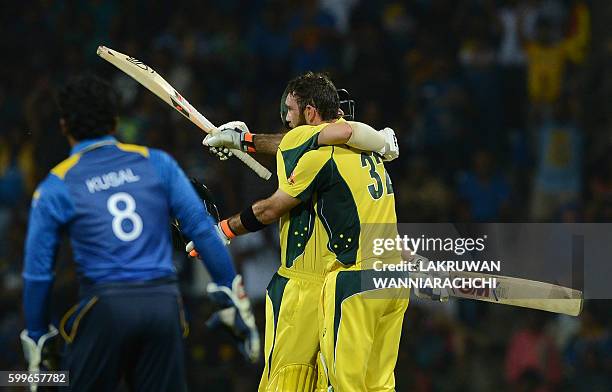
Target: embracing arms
236, 135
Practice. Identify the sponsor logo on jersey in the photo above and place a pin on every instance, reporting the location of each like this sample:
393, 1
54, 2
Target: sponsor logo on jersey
291, 178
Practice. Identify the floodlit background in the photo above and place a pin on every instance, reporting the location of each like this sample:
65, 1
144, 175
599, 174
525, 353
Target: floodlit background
501, 109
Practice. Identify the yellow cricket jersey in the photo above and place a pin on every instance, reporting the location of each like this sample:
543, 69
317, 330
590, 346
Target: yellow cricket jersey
347, 198
546, 67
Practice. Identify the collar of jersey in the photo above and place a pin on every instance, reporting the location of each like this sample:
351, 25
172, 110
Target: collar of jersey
89, 144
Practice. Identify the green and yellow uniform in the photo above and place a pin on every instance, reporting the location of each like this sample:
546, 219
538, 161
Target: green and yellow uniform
291, 338
347, 201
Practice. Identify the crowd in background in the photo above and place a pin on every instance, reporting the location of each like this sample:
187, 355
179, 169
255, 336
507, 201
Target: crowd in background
500, 109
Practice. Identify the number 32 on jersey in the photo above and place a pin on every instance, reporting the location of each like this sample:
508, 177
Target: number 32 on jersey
372, 161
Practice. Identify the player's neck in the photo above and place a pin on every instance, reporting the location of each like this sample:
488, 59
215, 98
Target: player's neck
317, 121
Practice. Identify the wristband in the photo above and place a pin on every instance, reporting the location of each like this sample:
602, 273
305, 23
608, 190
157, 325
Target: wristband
248, 142
249, 221
225, 228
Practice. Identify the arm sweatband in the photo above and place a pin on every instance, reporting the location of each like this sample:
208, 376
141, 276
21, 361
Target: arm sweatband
250, 221
365, 137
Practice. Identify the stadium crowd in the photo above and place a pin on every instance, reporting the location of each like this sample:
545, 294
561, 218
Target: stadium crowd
500, 111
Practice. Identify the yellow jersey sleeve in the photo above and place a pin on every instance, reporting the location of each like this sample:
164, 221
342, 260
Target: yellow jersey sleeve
299, 159
301, 181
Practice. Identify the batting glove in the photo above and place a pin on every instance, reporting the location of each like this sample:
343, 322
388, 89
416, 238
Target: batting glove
190, 247
233, 135
435, 293
236, 316
391, 149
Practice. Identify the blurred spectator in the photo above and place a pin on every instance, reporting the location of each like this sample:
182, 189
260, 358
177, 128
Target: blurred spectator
599, 182
547, 59
313, 34
512, 61
440, 123
399, 26
269, 42
425, 198
558, 177
15, 162
477, 56
341, 11
16, 184
511, 53
579, 31
590, 354
549, 54
533, 363
483, 191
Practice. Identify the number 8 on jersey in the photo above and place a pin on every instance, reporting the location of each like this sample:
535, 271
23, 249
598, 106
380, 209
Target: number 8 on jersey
120, 215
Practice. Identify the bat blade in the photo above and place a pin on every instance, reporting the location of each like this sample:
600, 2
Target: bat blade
155, 83
523, 293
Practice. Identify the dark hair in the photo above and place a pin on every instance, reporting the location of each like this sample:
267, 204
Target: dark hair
88, 104
317, 90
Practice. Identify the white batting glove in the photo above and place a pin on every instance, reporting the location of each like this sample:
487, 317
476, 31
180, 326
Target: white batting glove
223, 153
432, 293
391, 149
232, 135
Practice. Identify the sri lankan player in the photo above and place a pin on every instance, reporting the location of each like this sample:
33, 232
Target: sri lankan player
115, 201
320, 216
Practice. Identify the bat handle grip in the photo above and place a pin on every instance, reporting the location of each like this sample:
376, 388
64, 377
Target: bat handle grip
253, 164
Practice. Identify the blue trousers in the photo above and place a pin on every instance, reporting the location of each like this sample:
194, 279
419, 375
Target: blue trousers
130, 331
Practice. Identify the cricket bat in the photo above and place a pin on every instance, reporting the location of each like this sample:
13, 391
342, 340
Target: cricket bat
150, 79
522, 292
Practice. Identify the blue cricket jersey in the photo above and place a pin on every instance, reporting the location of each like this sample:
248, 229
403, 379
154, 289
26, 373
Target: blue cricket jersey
115, 201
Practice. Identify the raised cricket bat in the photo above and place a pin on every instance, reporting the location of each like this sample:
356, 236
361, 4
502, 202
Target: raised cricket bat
522, 292
147, 76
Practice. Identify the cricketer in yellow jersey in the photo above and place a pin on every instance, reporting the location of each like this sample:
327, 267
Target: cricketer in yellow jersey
347, 191
319, 188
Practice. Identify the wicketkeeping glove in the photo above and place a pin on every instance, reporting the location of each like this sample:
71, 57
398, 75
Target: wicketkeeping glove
236, 316
43, 354
232, 135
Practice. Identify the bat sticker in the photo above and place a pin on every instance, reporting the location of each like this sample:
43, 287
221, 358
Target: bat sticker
179, 107
139, 64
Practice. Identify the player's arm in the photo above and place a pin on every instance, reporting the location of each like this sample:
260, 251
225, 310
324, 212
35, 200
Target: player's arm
291, 191
194, 220
267, 143
51, 208
236, 135
227, 291
362, 137
260, 214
